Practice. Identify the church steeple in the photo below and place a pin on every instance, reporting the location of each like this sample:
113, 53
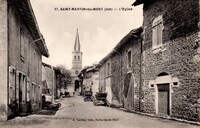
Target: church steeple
76, 57
77, 46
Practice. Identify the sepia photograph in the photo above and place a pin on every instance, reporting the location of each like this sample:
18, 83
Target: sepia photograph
99, 63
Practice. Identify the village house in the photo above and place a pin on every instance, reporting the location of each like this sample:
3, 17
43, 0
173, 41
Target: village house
171, 58
51, 87
81, 77
105, 77
89, 79
22, 48
120, 72
156, 69
126, 67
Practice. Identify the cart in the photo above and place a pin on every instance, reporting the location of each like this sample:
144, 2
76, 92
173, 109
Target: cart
100, 99
87, 96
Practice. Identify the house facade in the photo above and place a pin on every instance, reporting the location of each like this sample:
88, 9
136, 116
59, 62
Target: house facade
156, 69
105, 76
22, 48
171, 61
119, 73
51, 78
125, 71
49, 82
89, 79
58, 83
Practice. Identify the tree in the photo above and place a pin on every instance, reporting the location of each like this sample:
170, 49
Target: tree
65, 77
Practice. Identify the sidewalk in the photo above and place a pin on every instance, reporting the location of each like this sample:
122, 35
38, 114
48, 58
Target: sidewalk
156, 116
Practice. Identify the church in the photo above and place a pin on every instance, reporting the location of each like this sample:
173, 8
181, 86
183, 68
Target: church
76, 63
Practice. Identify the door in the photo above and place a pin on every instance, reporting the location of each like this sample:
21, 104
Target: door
76, 87
163, 99
129, 92
22, 93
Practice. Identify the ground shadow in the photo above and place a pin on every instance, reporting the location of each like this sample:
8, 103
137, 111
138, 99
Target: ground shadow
46, 112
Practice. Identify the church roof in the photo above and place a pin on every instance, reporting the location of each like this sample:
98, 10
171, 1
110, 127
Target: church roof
77, 46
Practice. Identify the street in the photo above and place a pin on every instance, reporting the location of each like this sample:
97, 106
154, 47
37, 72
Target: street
75, 113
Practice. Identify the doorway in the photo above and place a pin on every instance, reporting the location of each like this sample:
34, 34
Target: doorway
21, 93
163, 99
128, 91
76, 86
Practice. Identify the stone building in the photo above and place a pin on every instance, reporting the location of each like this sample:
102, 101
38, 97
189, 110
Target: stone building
171, 58
120, 72
22, 48
81, 77
51, 82
89, 78
125, 71
105, 76
59, 84
48, 78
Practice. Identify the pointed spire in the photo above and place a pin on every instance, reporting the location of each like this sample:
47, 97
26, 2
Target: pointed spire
77, 46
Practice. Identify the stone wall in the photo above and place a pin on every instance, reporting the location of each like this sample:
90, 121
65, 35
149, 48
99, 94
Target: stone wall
120, 69
175, 57
116, 79
180, 19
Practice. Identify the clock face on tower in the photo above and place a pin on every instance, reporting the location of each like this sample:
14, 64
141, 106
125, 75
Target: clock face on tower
76, 72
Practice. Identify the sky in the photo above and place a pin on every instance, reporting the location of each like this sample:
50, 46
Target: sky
99, 31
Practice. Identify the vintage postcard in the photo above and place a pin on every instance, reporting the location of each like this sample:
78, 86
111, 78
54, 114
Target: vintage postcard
100, 63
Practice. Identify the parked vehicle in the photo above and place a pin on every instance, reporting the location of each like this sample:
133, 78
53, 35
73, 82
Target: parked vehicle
100, 98
87, 96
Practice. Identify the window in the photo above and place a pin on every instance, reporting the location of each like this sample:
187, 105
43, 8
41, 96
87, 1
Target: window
129, 59
39, 64
34, 64
78, 57
157, 32
74, 57
108, 69
22, 47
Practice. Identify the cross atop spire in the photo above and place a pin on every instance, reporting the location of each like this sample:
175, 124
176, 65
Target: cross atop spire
77, 46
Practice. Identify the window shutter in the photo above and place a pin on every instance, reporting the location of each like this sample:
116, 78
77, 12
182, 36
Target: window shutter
154, 43
159, 30
22, 44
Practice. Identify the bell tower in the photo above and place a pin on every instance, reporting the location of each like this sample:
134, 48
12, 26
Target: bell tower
76, 57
